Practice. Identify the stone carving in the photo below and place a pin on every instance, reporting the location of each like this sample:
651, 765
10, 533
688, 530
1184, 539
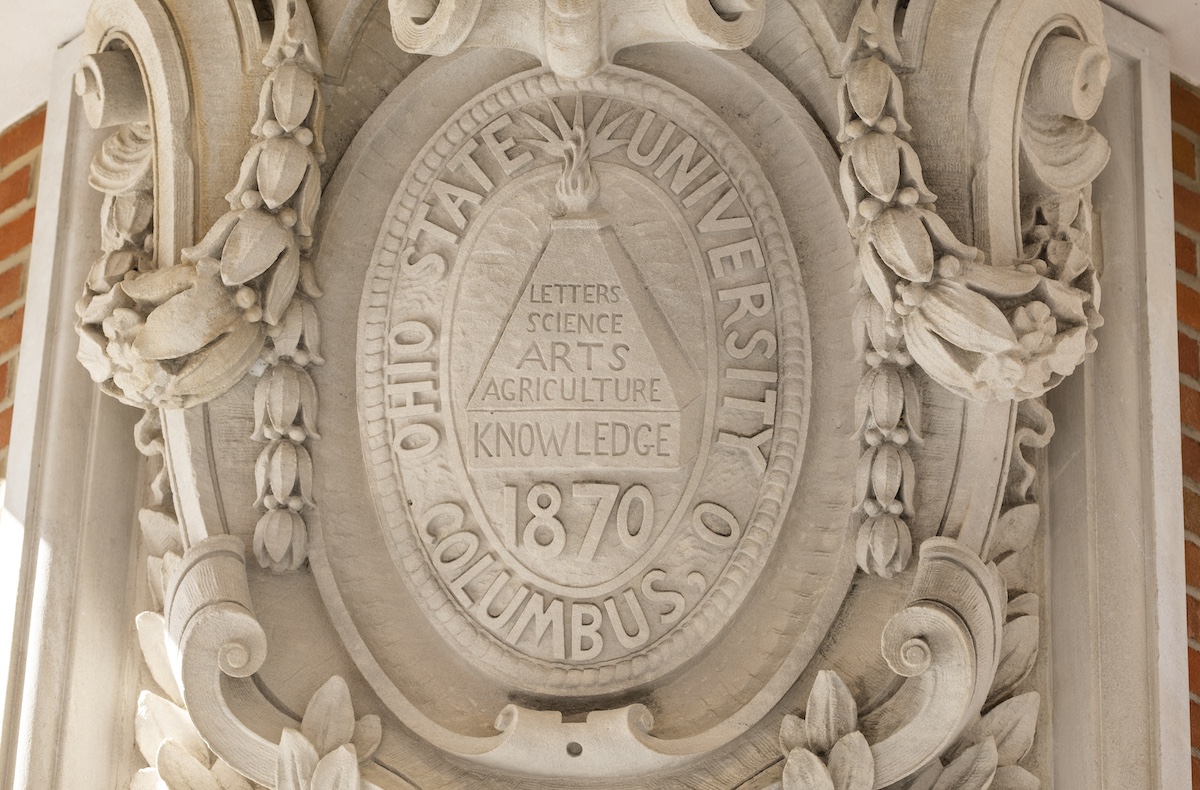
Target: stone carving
1004, 331
573, 39
575, 372
577, 542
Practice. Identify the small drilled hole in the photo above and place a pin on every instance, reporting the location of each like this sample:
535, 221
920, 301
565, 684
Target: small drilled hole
574, 749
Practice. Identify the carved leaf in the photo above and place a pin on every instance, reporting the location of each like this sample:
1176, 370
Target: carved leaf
103, 305
368, 732
863, 397
256, 242
282, 471
308, 404
160, 285
92, 353
880, 279
1018, 652
308, 201
292, 94
262, 468
831, 712
805, 771
945, 240
337, 770
851, 765
291, 328
887, 398
228, 778
912, 407
1027, 604
188, 322
868, 83
966, 319
928, 776
159, 720
971, 770
180, 770
281, 286
329, 718
312, 331
792, 734
903, 244
912, 175
1015, 529
152, 636
935, 357
1011, 725
887, 472
281, 540
111, 269
283, 398
160, 531
862, 478
282, 165
876, 161
884, 545
297, 761
304, 475
145, 779
214, 241
1014, 777
223, 364
1000, 282
154, 578
1065, 301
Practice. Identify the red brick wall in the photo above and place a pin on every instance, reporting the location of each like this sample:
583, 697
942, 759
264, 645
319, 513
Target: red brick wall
20, 152
1185, 139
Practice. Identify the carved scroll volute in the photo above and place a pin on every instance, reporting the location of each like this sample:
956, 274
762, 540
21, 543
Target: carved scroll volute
575, 38
220, 645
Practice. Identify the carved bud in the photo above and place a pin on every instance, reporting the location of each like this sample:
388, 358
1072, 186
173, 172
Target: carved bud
884, 545
281, 540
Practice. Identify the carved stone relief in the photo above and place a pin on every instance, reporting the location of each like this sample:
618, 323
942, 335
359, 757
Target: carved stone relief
661, 444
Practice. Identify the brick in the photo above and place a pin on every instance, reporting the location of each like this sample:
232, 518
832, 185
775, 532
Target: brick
16, 234
1183, 155
1187, 207
1191, 512
1185, 254
1185, 106
1195, 773
10, 337
5, 380
10, 286
1189, 356
1188, 304
1195, 716
1193, 618
1189, 406
1191, 559
16, 188
22, 137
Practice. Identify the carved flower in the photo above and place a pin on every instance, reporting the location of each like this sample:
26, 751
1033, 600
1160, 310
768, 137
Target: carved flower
1035, 327
884, 545
324, 754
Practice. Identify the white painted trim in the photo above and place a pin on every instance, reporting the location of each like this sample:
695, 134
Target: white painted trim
73, 486
1118, 648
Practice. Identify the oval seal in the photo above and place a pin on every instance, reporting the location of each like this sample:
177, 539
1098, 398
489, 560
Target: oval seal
582, 377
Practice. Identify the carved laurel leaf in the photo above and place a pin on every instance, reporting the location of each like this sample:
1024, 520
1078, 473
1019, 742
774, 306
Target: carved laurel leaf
927, 777
297, 761
880, 279
160, 720
1018, 653
180, 770
283, 470
368, 732
1011, 725
329, 718
311, 331
337, 770
1014, 777
1027, 604
152, 636
220, 366
972, 770
831, 712
933, 355
805, 771
1001, 282
851, 765
188, 321
792, 734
